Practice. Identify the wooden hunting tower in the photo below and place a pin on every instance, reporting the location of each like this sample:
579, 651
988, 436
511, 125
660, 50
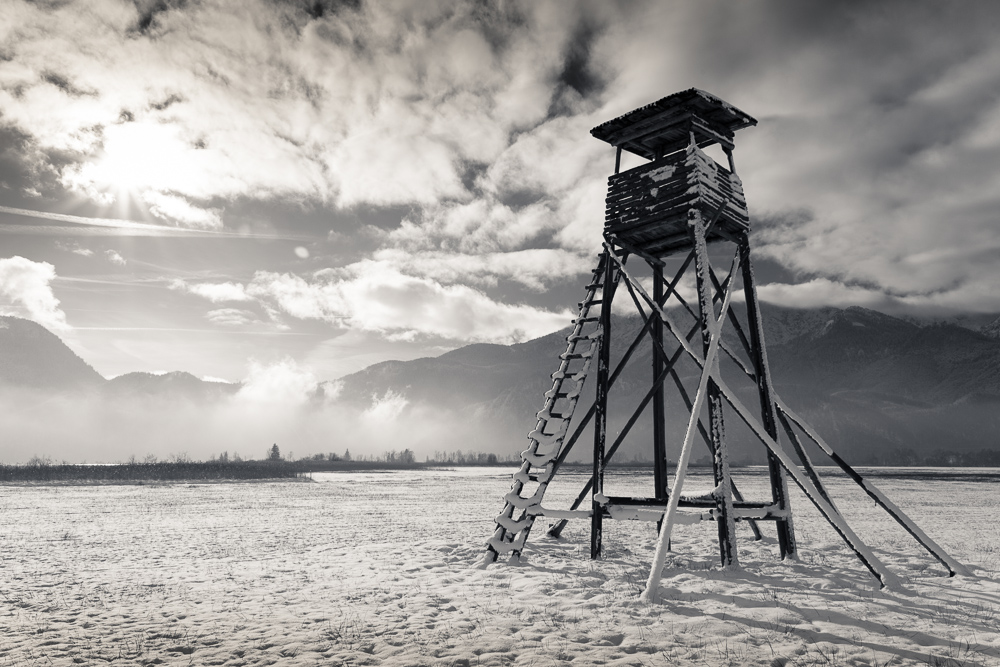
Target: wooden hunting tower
669, 210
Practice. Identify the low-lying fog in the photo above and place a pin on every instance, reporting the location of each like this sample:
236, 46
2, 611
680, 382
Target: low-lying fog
275, 404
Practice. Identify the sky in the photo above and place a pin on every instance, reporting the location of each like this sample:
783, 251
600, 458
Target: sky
223, 186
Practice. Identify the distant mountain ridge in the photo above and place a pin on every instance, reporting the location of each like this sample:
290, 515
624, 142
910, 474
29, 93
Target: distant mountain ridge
33, 357
868, 382
175, 383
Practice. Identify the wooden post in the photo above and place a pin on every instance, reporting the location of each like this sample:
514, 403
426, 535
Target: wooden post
601, 407
659, 422
720, 455
779, 481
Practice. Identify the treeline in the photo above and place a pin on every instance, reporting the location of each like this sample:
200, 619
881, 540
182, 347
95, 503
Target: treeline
460, 458
155, 471
225, 466
941, 458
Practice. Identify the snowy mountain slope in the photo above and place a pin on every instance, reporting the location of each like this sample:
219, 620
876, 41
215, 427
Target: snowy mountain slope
870, 382
33, 356
176, 384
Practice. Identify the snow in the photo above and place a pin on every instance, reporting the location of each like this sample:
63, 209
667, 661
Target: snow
660, 173
382, 568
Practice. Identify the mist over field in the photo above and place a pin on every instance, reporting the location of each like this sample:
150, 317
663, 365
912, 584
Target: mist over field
278, 404
880, 389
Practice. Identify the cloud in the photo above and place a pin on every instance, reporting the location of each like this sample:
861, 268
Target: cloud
535, 269
75, 249
386, 408
473, 119
405, 299
26, 291
821, 292
383, 104
214, 292
283, 383
114, 257
373, 296
95, 226
179, 211
231, 317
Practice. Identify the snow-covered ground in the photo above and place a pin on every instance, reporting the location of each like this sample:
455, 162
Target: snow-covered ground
381, 568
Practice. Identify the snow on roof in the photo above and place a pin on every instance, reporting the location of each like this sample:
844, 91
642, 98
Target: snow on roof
650, 130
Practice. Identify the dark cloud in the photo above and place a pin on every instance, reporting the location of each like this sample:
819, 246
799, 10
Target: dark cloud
149, 11
26, 171
444, 140
321, 8
166, 102
64, 84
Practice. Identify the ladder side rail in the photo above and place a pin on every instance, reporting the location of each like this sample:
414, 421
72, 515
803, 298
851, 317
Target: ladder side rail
553, 464
502, 534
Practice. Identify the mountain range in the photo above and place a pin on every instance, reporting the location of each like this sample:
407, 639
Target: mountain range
878, 388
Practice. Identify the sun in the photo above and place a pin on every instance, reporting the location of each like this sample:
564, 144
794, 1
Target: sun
138, 161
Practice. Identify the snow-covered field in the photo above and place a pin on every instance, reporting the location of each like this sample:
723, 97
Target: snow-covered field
381, 568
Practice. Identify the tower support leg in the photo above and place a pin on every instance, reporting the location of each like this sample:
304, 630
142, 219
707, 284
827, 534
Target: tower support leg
779, 480
659, 422
601, 410
720, 454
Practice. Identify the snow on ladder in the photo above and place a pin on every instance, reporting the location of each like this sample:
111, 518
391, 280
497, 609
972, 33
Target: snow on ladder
538, 461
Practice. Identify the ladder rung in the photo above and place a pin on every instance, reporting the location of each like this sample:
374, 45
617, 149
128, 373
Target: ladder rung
543, 449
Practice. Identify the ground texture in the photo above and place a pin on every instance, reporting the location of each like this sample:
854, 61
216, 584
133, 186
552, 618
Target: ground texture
381, 568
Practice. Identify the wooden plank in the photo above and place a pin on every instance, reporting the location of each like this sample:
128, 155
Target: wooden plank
683, 502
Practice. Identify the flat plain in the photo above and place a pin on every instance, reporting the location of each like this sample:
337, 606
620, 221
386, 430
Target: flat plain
371, 568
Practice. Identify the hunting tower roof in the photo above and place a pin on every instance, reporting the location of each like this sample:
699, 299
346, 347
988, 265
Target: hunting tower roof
663, 126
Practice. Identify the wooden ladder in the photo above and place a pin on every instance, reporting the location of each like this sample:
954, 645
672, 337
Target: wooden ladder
540, 460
